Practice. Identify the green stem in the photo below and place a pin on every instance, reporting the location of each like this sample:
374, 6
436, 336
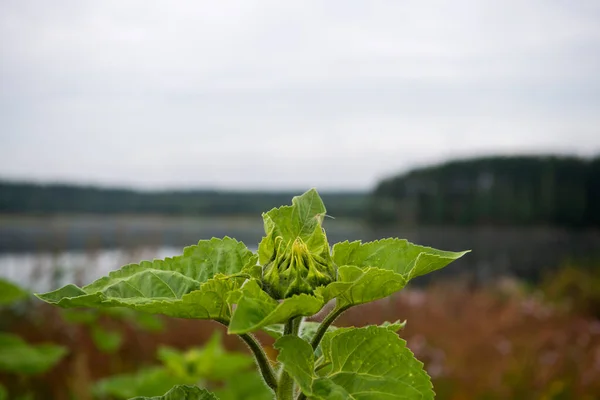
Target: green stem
261, 360
260, 356
285, 387
329, 319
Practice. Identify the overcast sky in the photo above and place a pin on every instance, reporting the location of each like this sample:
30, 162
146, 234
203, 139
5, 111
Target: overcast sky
275, 94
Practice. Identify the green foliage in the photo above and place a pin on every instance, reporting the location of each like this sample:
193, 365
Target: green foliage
10, 293
309, 330
17, 356
365, 363
576, 287
144, 382
210, 365
107, 341
110, 340
293, 275
211, 362
183, 392
371, 363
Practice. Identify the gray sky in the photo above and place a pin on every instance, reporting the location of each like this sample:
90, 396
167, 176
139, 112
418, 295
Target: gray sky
272, 94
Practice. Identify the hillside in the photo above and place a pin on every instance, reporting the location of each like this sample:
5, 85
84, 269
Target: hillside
523, 190
27, 198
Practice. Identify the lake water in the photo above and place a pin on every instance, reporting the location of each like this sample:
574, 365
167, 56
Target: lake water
45, 252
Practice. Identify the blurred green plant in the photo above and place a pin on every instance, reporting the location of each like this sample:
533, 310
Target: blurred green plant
575, 286
228, 374
11, 293
183, 392
110, 340
20, 357
16, 355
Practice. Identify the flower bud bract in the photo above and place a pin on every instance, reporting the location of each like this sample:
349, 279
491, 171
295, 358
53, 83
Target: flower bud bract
294, 269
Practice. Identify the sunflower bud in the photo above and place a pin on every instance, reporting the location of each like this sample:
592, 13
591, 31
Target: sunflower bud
294, 270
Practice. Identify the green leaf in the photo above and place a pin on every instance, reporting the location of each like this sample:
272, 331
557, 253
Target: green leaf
10, 293
374, 270
398, 255
192, 285
256, 309
183, 392
370, 363
19, 357
3, 393
105, 340
358, 286
309, 329
296, 356
152, 381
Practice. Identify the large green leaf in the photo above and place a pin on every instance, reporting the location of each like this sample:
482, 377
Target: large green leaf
398, 255
370, 363
183, 392
296, 356
193, 285
19, 357
256, 309
309, 330
10, 293
374, 270
358, 286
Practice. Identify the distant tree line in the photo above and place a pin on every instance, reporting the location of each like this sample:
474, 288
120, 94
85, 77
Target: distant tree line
27, 198
519, 190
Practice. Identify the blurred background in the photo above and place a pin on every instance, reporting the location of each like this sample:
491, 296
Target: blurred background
129, 130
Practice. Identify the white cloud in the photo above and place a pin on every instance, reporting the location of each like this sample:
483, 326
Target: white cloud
272, 94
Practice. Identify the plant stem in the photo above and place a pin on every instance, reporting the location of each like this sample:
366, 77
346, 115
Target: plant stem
285, 387
329, 319
261, 360
260, 356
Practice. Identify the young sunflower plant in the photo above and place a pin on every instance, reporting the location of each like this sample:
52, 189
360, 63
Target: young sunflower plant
293, 275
